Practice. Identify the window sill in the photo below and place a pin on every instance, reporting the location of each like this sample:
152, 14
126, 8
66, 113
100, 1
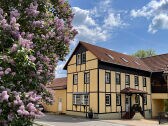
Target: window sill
108, 105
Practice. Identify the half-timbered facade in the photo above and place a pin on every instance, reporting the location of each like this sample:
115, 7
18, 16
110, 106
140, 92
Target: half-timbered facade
112, 84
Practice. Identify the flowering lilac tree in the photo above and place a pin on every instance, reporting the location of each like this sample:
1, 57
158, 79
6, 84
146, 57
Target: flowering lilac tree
34, 35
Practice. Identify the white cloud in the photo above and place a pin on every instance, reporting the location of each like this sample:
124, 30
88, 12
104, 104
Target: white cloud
82, 17
159, 21
113, 20
157, 12
91, 34
95, 25
88, 29
59, 72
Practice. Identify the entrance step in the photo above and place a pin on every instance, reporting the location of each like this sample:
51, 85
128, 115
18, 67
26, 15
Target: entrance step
137, 116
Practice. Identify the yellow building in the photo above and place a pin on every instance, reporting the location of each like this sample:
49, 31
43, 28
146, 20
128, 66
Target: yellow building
114, 85
59, 87
110, 83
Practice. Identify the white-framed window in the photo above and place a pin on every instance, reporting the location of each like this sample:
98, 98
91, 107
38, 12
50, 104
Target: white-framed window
144, 81
75, 79
107, 78
118, 78
74, 99
78, 59
85, 99
108, 99
127, 79
118, 99
79, 99
136, 80
87, 78
84, 57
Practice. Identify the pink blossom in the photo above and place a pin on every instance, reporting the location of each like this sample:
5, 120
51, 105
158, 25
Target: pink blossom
25, 112
32, 114
14, 13
32, 10
32, 58
5, 58
59, 23
20, 112
14, 48
8, 70
22, 107
4, 96
0, 111
38, 98
38, 73
30, 36
13, 21
1, 11
10, 116
1, 73
32, 99
39, 24
25, 43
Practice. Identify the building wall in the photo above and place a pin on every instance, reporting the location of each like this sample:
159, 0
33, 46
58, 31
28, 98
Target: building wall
159, 95
114, 88
98, 89
157, 106
54, 107
158, 103
90, 66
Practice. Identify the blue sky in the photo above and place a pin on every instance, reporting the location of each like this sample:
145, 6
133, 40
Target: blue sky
123, 26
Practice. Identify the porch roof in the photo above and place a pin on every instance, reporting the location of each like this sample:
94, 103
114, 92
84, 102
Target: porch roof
132, 91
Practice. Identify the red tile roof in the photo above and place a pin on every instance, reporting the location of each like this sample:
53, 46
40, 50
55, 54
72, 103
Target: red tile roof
113, 57
58, 83
150, 64
157, 63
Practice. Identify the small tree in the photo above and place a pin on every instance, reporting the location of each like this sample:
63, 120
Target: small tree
144, 53
34, 35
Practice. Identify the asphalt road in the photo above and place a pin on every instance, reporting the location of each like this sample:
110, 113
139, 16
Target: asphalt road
63, 120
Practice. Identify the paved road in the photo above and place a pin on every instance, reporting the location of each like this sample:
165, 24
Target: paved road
62, 120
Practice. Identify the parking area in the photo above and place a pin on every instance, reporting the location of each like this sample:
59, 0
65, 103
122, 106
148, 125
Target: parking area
63, 120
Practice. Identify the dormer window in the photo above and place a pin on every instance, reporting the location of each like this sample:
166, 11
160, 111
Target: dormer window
78, 60
137, 63
110, 56
124, 60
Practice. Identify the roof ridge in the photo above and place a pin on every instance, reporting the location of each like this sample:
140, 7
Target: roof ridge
107, 49
118, 53
154, 56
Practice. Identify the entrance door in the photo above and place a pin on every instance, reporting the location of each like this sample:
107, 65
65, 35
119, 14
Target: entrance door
59, 104
127, 103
